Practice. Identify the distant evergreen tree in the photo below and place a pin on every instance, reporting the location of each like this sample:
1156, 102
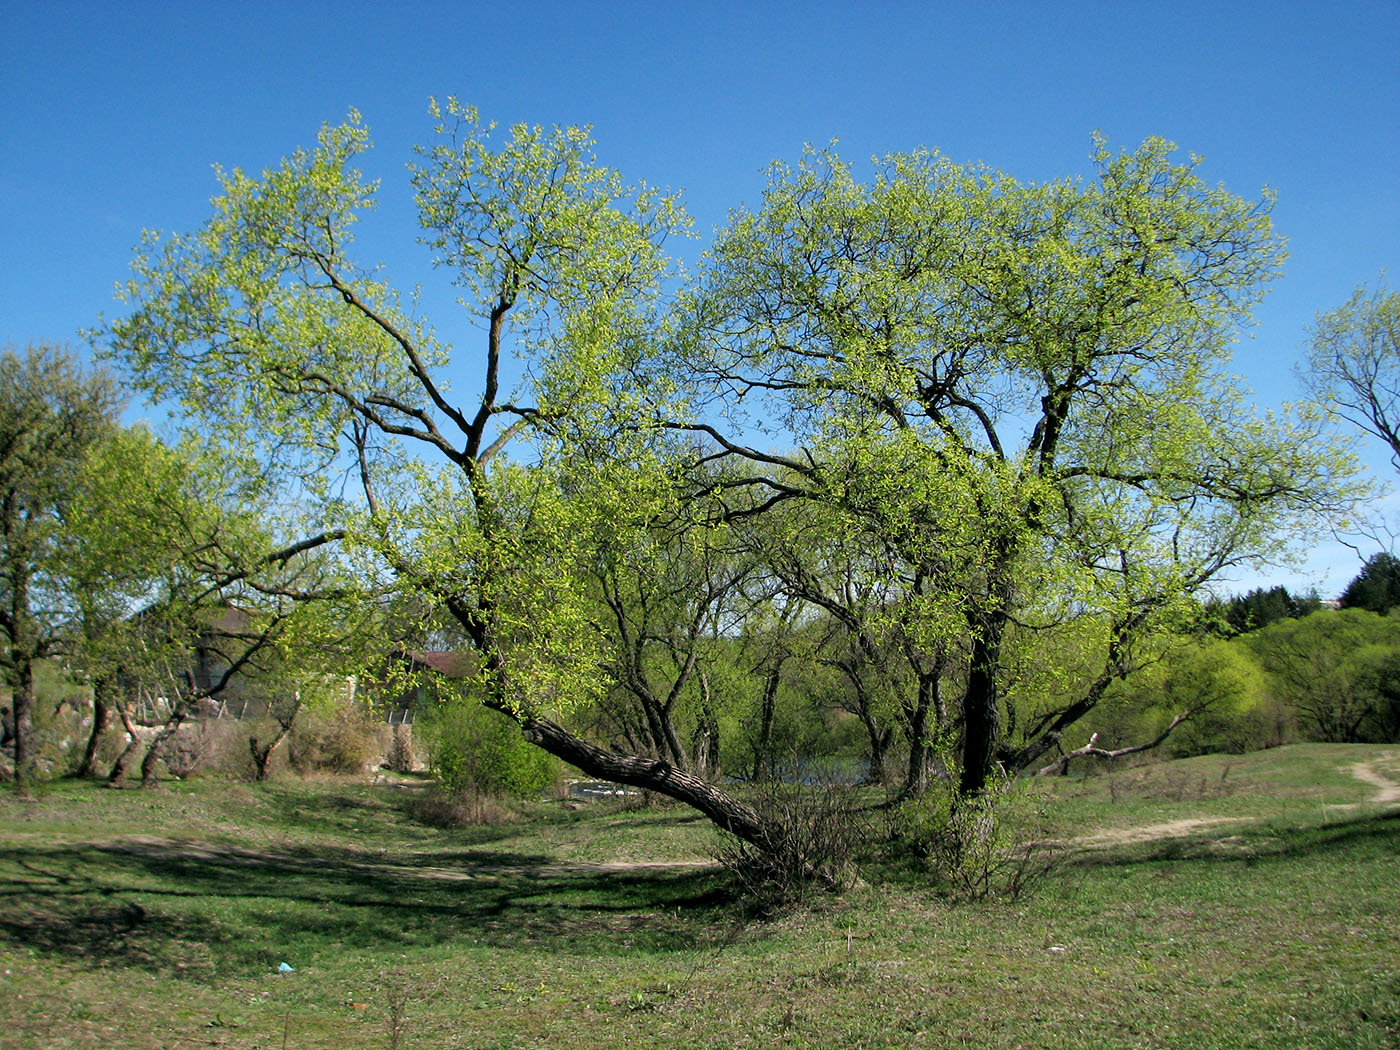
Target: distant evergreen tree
1376, 587
1260, 607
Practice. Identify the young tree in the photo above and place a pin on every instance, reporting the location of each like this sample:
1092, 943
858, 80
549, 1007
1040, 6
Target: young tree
1354, 364
173, 551
52, 413
1019, 388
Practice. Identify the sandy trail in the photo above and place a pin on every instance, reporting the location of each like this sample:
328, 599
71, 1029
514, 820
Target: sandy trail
1387, 787
1374, 772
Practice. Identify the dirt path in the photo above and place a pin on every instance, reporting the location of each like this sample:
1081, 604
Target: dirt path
1387, 793
1171, 829
1387, 788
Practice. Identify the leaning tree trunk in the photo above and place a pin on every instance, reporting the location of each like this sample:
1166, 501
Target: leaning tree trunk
649, 774
134, 743
153, 753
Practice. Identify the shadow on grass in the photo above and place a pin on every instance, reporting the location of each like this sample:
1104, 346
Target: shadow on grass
177, 907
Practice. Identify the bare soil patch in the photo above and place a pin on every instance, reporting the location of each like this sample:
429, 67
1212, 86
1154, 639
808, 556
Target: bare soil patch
1373, 772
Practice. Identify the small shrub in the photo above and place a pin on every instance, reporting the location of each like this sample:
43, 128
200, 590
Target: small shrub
462, 809
977, 846
341, 740
473, 750
818, 832
400, 756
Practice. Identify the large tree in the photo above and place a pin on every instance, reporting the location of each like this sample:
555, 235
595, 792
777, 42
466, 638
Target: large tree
486, 504
1018, 390
52, 413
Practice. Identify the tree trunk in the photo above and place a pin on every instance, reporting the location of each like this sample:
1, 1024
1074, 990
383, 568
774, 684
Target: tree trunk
26, 768
982, 708
768, 709
916, 775
705, 746
171, 727
653, 775
133, 744
101, 722
879, 744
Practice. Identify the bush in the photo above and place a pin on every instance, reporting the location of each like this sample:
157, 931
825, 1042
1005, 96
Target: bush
473, 750
977, 846
339, 740
819, 832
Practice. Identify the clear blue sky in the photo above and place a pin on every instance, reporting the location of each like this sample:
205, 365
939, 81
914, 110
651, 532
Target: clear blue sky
112, 114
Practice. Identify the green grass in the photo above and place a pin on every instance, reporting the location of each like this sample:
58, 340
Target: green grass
158, 919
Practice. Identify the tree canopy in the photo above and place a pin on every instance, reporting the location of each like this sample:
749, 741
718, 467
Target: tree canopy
1017, 390
1009, 399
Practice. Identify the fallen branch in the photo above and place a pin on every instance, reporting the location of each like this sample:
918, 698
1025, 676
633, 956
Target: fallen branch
1090, 750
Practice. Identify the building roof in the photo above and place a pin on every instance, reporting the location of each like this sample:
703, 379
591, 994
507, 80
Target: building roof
444, 662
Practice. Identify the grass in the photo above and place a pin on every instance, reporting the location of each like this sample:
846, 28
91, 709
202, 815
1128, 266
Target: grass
159, 919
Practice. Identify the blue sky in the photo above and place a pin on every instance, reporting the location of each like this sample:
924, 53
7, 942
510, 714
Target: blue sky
112, 115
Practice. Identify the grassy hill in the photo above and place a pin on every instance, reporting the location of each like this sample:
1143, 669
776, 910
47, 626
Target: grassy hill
1245, 901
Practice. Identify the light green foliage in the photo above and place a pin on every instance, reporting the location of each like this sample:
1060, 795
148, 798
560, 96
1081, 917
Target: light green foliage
180, 535
270, 332
1222, 686
1334, 668
1019, 389
475, 750
535, 224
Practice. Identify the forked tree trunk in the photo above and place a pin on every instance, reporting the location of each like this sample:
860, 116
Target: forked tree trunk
262, 753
